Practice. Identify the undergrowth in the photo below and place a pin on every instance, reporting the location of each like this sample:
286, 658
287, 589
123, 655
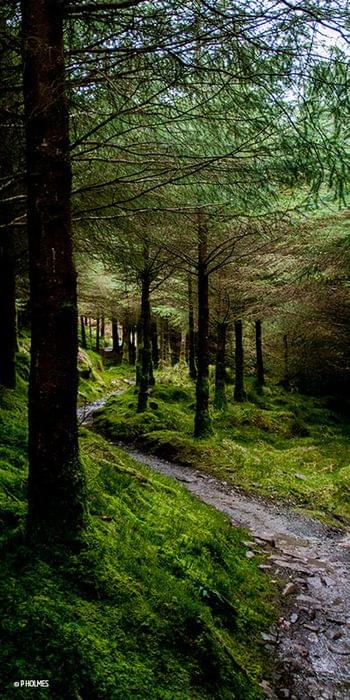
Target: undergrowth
278, 443
160, 602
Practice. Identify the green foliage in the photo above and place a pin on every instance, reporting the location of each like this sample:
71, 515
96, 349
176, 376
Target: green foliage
159, 602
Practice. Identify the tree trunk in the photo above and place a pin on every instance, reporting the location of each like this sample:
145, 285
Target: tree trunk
132, 346
191, 333
83, 333
90, 331
146, 352
239, 393
97, 346
220, 367
202, 425
8, 342
115, 341
260, 375
56, 488
102, 333
154, 341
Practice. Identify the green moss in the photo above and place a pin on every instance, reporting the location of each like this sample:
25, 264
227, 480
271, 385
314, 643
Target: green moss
160, 602
278, 443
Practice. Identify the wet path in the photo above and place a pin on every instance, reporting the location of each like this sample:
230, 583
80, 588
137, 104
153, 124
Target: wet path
311, 642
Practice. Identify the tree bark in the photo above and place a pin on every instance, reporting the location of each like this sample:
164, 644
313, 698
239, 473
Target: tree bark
191, 333
239, 393
56, 487
97, 346
260, 374
115, 341
102, 331
8, 342
202, 424
146, 352
154, 341
220, 400
83, 333
90, 332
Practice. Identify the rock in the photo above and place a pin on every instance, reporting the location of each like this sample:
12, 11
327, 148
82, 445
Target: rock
300, 649
266, 537
268, 637
248, 543
302, 477
312, 627
293, 618
343, 650
265, 567
250, 555
290, 588
284, 693
335, 634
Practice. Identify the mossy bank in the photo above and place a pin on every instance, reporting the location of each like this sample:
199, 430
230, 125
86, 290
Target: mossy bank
160, 601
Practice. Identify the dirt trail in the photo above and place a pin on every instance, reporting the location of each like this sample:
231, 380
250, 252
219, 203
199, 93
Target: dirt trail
311, 643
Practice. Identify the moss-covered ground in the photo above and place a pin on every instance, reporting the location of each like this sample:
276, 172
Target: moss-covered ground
277, 443
160, 601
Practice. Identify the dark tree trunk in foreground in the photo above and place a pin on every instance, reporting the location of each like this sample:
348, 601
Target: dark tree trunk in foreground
202, 425
8, 341
191, 333
220, 367
146, 352
239, 393
83, 333
260, 375
154, 342
56, 488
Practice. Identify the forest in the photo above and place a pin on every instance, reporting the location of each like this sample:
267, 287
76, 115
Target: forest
175, 349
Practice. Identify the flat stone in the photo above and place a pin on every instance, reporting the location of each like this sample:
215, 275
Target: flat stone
250, 555
290, 588
343, 650
311, 627
265, 567
266, 537
293, 618
302, 477
268, 637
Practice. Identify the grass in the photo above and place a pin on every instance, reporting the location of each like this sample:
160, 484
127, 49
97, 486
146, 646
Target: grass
276, 443
96, 379
160, 602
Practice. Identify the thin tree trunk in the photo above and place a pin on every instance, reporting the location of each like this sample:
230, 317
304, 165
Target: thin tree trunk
97, 346
146, 352
260, 375
115, 341
102, 333
191, 333
90, 332
132, 346
220, 400
56, 488
239, 393
202, 425
83, 333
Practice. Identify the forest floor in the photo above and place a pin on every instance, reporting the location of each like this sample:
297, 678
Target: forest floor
310, 642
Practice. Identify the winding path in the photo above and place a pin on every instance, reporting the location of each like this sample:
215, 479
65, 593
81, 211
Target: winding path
311, 642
